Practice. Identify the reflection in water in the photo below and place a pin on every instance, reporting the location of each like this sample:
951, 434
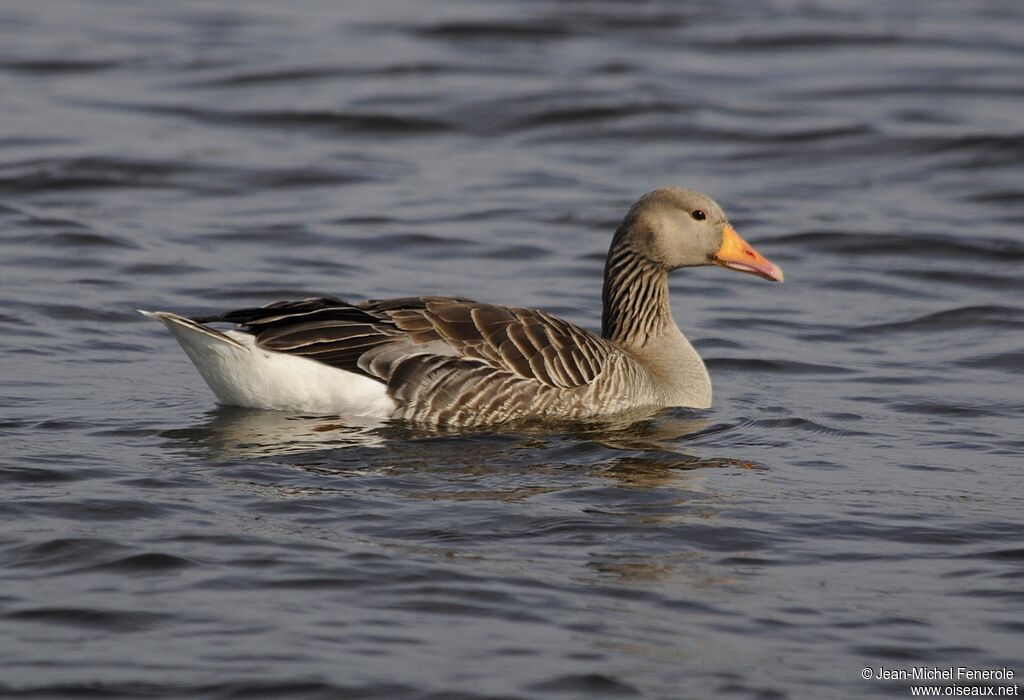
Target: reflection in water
641, 476
688, 567
233, 433
653, 446
645, 472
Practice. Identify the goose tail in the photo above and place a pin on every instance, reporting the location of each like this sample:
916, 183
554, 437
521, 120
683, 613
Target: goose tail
191, 335
219, 358
241, 373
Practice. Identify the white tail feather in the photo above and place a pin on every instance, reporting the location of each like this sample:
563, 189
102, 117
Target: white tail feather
242, 374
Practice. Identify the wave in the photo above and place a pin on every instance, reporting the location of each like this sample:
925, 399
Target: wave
909, 245
773, 366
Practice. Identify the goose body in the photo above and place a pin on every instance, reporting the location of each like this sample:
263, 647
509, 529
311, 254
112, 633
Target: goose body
457, 362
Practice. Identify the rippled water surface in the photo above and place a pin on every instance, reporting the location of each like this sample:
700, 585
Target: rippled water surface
852, 499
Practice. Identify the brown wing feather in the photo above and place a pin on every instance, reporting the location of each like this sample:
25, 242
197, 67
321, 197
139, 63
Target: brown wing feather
528, 343
429, 338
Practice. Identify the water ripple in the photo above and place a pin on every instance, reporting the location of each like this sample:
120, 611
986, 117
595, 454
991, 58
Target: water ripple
859, 469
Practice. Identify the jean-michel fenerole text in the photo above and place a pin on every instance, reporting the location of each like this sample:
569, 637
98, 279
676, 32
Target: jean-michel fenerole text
933, 673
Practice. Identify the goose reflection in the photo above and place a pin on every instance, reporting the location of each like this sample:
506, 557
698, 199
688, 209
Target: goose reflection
640, 453
233, 433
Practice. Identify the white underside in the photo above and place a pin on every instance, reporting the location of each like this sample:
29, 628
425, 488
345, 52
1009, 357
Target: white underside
242, 374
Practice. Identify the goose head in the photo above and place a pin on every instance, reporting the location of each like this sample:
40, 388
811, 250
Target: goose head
675, 227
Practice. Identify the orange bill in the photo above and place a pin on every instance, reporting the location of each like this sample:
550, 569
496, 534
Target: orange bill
737, 254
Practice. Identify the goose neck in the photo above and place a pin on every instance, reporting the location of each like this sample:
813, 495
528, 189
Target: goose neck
636, 298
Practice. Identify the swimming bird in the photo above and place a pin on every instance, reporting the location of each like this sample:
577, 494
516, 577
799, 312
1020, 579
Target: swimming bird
450, 361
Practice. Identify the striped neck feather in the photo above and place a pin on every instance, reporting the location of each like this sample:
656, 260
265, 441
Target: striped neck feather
635, 296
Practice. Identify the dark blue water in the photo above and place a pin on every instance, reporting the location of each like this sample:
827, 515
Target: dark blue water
852, 499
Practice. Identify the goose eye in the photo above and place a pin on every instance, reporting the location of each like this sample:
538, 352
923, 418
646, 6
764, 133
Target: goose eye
698, 214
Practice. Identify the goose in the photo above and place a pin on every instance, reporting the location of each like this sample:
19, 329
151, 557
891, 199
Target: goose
449, 361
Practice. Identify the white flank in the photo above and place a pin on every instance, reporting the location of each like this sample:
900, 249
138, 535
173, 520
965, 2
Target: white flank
242, 374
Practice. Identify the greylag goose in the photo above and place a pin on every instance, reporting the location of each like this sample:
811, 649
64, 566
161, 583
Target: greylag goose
457, 362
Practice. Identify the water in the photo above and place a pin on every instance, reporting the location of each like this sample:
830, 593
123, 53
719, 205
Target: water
852, 499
